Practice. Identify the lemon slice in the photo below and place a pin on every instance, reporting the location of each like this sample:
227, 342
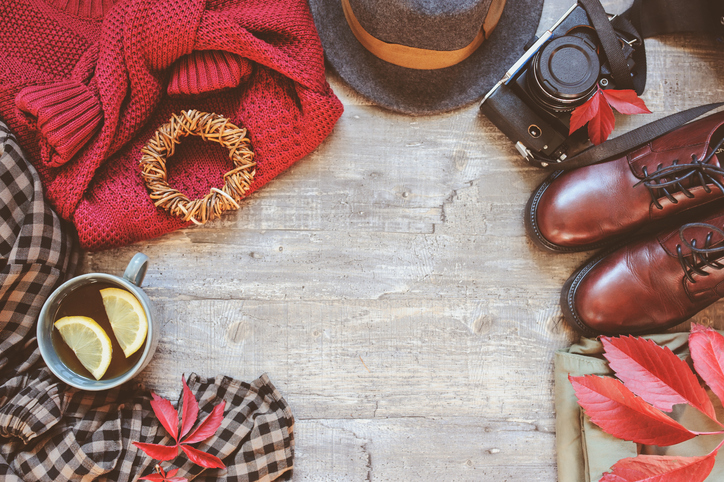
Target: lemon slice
127, 318
89, 342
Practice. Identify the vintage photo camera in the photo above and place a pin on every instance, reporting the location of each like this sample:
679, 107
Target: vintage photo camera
532, 103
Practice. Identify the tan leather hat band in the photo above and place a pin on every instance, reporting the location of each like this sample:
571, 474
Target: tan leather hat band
421, 59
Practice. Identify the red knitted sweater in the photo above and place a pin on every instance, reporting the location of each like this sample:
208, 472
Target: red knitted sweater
84, 83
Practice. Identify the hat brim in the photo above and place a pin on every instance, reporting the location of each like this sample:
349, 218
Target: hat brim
420, 92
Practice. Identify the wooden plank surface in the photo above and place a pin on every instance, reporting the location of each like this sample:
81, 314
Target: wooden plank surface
386, 285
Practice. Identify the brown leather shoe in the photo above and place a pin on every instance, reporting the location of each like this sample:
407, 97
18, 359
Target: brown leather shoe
649, 284
597, 205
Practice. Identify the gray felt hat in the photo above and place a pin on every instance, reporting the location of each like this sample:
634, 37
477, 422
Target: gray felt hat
440, 54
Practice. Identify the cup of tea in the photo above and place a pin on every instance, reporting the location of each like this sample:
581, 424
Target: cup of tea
85, 297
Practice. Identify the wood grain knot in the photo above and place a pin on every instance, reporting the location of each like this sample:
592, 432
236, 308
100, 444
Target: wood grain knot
210, 127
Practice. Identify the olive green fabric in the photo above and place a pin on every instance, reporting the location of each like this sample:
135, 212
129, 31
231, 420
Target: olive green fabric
585, 452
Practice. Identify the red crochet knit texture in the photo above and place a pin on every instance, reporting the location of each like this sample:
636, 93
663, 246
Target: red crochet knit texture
84, 83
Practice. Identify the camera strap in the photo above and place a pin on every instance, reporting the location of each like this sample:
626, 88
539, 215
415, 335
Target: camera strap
617, 146
610, 42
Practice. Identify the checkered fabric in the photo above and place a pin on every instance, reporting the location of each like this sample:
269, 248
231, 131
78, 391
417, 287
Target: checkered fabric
52, 432
35, 250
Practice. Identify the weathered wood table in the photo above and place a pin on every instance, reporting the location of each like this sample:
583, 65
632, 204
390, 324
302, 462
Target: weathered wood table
386, 285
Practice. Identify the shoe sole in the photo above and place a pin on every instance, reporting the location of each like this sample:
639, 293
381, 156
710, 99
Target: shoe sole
531, 223
568, 294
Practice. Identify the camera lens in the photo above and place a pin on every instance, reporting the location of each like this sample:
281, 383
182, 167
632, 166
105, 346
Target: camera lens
565, 73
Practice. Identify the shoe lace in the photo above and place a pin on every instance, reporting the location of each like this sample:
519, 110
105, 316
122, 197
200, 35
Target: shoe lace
667, 180
701, 257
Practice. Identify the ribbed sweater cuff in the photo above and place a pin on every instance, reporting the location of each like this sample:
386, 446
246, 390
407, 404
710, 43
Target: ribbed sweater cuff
84, 8
207, 71
66, 113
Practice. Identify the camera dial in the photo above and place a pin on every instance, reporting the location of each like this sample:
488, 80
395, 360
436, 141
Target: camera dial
564, 74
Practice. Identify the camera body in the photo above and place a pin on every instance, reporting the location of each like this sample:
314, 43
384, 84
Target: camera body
561, 70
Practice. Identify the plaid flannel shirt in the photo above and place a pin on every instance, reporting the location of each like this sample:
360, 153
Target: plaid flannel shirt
52, 432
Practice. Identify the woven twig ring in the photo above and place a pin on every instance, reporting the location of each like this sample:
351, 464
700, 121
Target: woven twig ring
210, 127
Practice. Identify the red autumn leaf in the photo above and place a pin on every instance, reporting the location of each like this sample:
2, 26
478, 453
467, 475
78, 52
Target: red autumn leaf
625, 101
613, 407
170, 476
599, 115
585, 112
190, 409
208, 426
661, 468
202, 458
153, 478
707, 351
166, 414
655, 374
162, 476
158, 452
601, 126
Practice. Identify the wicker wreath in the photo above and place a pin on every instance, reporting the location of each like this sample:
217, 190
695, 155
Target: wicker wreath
211, 127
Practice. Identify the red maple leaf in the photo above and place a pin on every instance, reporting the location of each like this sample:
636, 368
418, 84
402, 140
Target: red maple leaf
625, 101
707, 351
619, 412
168, 416
162, 476
661, 468
597, 112
655, 374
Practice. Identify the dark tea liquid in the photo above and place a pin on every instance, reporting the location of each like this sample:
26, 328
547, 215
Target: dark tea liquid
87, 301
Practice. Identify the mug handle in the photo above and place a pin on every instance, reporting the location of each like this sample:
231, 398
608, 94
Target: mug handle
136, 269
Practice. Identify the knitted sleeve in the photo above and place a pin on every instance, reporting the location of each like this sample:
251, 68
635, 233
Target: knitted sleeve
67, 112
